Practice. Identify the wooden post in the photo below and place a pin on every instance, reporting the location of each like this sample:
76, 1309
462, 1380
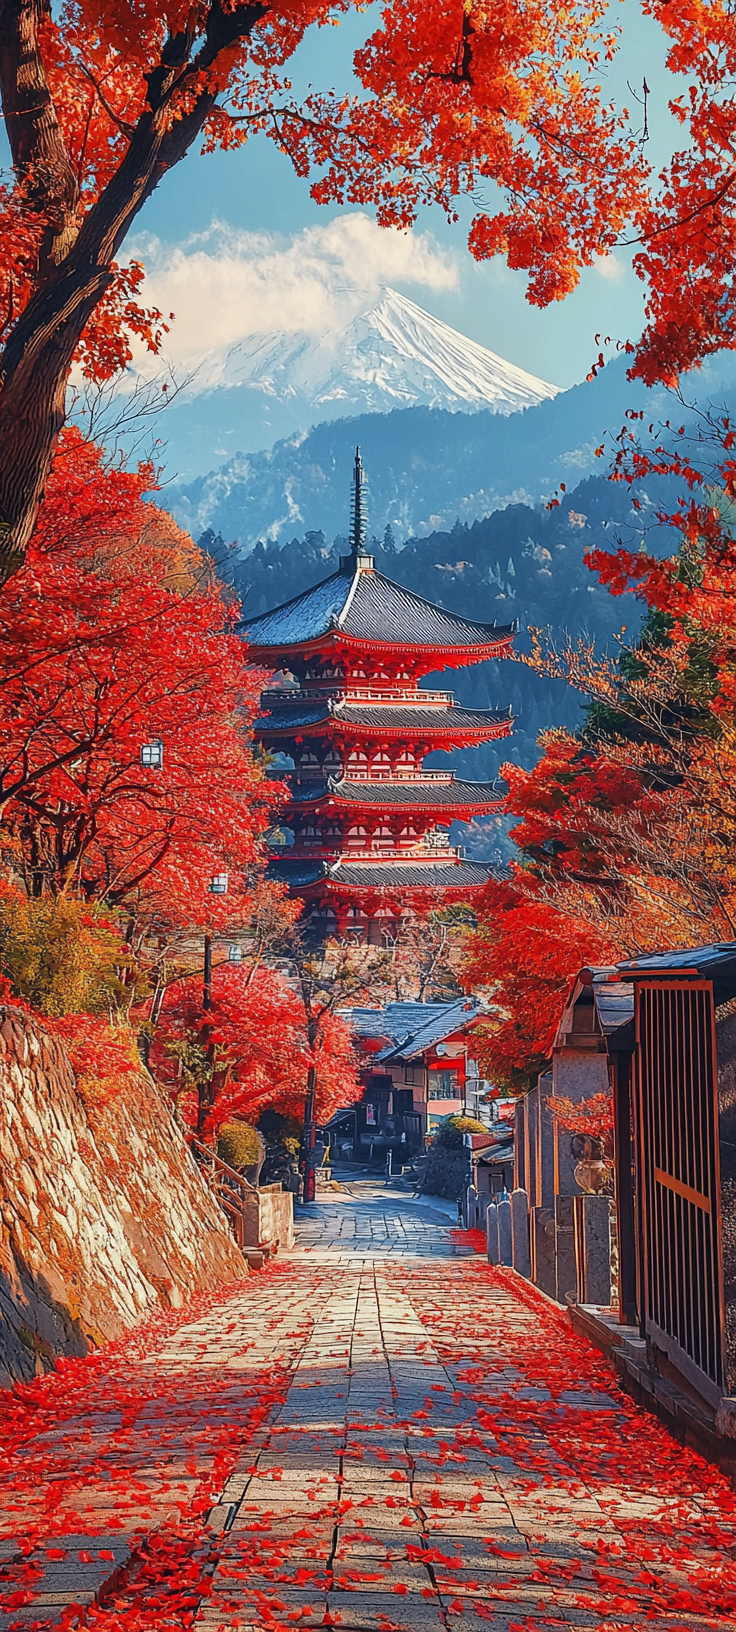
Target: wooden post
207, 984
625, 1225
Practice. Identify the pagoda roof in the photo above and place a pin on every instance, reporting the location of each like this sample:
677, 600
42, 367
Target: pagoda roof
429, 795
345, 875
363, 605
384, 719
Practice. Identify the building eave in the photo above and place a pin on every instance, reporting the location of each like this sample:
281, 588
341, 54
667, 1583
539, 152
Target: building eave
337, 796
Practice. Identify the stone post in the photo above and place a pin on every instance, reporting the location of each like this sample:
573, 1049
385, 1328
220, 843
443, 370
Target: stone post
520, 1254
543, 1249
593, 1249
546, 1187
504, 1230
492, 1233
471, 1207
565, 1269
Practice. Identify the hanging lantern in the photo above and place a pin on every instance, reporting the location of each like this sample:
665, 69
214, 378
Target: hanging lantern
152, 755
235, 954
219, 884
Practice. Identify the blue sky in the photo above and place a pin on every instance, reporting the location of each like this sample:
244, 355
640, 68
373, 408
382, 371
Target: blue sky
217, 214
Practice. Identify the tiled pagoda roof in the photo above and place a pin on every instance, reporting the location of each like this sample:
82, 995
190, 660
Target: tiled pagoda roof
379, 875
367, 606
387, 719
408, 795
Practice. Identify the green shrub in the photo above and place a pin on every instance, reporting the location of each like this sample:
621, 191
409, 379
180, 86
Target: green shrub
450, 1132
239, 1145
64, 957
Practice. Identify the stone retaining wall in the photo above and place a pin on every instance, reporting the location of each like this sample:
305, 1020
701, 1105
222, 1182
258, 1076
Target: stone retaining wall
103, 1213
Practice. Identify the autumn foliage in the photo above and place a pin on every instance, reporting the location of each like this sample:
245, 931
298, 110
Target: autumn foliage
252, 1049
626, 831
114, 635
457, 99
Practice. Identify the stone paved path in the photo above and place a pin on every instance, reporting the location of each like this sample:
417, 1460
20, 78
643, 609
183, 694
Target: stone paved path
378, 1433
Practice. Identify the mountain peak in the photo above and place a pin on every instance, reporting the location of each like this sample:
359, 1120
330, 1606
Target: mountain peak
407, 357
395, 355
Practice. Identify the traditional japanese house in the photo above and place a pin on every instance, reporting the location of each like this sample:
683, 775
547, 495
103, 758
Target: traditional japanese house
414, 1059
350, 728
659, 1032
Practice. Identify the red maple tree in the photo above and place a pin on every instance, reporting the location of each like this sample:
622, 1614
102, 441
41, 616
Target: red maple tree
250, 1049
115, 636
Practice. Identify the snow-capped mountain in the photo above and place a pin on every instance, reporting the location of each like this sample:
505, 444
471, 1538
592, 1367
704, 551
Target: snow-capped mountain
272, 386
393, 356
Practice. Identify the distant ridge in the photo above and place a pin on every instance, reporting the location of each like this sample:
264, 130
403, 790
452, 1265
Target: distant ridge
426, 467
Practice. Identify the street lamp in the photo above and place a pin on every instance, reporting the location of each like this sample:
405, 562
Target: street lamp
218, 884
152, 754
235, 954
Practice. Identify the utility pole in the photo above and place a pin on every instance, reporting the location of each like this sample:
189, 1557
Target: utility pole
310, 1183
204, 1088
207, 983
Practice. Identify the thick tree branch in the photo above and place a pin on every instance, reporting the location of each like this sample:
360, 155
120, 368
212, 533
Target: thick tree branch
37, 358
40, 157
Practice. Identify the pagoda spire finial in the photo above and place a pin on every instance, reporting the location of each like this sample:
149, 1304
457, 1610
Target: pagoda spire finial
357, 508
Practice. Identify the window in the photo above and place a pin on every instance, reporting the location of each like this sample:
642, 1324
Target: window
444, 1085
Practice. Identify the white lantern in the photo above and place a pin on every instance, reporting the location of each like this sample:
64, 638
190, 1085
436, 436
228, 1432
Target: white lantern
152, 755
219, 884
235, 954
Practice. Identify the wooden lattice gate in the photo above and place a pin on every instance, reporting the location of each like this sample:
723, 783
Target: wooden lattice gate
676, 1110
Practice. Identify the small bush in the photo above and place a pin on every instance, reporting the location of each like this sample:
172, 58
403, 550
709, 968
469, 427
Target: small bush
239, 1145
63, 957
450, 1132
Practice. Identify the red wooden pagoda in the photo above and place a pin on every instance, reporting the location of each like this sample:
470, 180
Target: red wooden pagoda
352, 728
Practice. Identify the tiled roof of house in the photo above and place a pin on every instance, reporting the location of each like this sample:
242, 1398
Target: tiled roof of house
411, 1027
370, 607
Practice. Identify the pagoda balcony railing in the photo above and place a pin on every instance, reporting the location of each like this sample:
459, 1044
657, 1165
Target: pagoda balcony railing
352, 773
348, 693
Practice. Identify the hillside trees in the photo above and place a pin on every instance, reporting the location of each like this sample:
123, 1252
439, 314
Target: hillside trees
100, 101
626, 830
250, 1051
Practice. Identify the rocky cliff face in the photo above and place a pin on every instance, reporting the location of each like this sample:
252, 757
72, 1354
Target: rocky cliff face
102, 1211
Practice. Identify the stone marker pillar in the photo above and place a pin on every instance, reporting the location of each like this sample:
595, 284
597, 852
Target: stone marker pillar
593, 1249
504, 1230
492, 1233
520, 1254
565, 1270
471, 1208
543, 1249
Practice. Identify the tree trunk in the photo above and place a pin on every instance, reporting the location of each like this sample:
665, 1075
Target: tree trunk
38, 354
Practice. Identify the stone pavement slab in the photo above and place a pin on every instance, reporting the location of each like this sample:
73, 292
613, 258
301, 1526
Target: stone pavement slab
379, 1435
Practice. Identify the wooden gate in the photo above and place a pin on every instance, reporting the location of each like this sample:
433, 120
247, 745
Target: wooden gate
678, 1188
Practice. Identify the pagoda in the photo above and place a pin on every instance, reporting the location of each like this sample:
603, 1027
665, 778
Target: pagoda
350, 728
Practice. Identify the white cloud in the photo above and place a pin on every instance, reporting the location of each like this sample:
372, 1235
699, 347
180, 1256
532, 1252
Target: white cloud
609, 268
227, 287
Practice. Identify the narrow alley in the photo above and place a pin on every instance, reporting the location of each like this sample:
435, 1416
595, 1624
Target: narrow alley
379, 1431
